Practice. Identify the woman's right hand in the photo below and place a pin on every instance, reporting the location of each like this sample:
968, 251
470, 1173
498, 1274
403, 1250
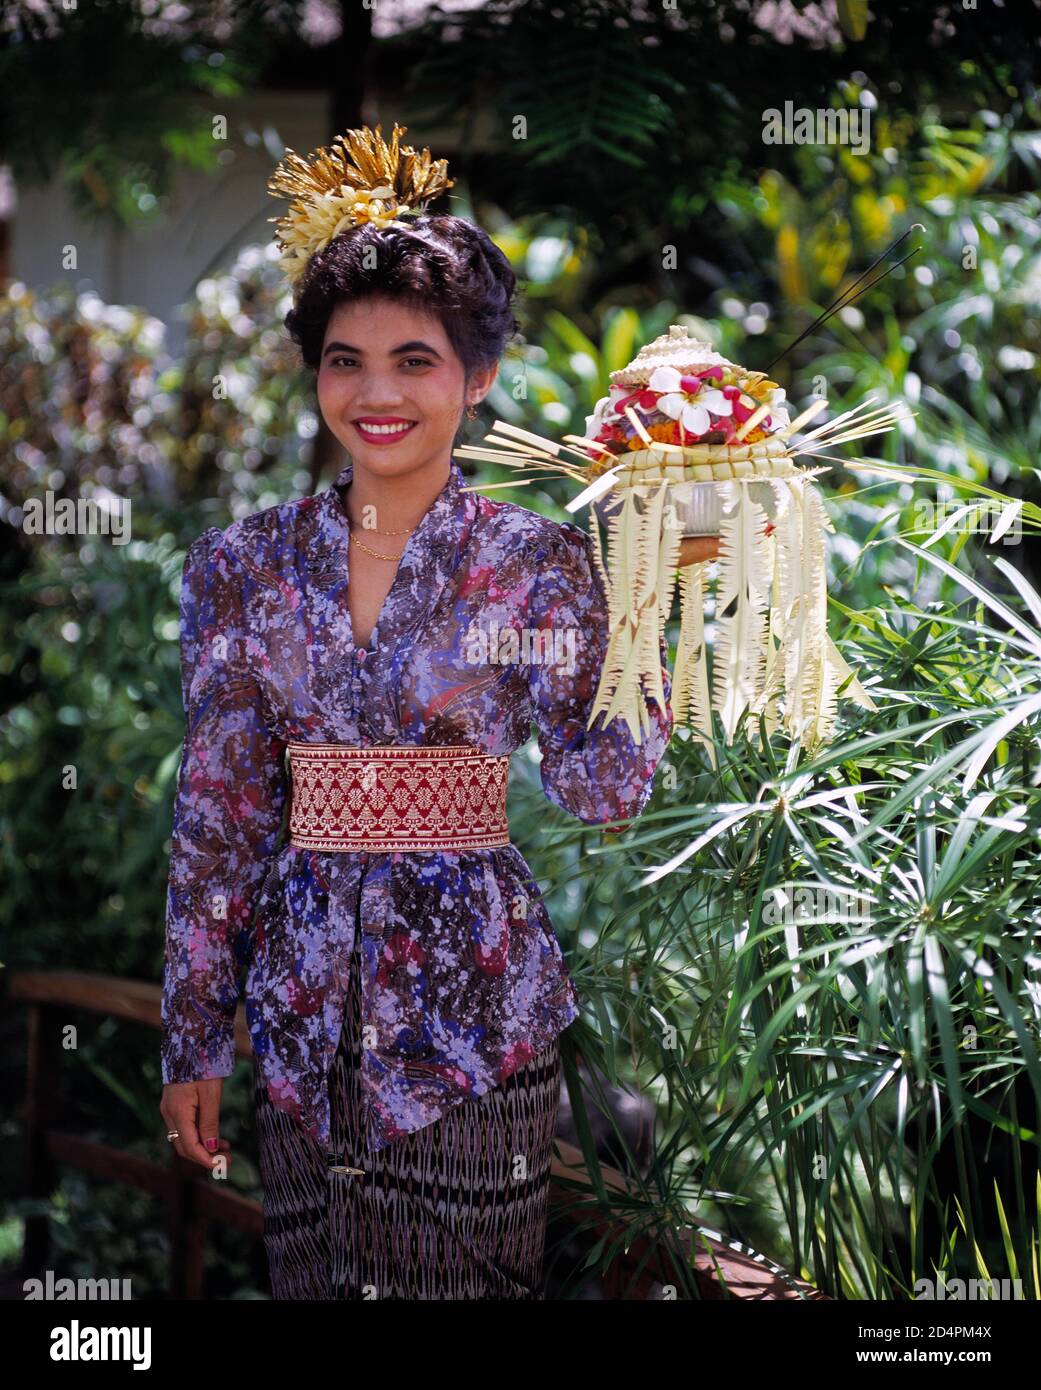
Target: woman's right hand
193, 1109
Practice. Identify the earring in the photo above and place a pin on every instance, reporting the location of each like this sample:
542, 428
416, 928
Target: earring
471, 411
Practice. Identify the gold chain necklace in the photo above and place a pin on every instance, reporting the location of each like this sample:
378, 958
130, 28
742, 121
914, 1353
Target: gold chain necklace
376, 553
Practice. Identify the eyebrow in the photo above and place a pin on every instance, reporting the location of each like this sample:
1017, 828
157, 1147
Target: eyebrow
415, 346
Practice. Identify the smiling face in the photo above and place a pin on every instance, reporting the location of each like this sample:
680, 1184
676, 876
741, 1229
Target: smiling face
391, 387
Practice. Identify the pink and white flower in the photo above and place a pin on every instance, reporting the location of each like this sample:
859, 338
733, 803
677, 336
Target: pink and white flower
688, 400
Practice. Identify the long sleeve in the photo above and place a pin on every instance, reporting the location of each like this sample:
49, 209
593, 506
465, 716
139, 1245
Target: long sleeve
597, 774
231, 790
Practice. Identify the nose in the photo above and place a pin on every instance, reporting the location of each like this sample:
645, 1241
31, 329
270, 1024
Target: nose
379, 394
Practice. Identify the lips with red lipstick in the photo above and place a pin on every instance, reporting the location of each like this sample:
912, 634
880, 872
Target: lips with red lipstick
383, 429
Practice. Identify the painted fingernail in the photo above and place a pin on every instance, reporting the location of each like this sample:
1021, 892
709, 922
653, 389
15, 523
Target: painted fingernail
211, 1144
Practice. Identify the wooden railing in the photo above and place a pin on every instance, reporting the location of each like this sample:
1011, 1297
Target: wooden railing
193, 1200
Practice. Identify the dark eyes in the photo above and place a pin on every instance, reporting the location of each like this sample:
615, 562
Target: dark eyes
421, 361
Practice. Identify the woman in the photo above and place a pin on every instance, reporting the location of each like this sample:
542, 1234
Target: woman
406, 990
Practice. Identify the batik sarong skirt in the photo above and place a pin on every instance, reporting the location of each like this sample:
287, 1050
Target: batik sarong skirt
456, 1210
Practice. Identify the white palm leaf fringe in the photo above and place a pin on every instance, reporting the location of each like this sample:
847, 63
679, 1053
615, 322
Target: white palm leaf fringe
773, 656
618, 658
662, 544
690, 687
766, 703
744, 583
668, 569
792, 610
632, 667
811, 705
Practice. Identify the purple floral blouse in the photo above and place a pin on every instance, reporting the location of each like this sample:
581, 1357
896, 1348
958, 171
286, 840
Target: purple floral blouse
459, 988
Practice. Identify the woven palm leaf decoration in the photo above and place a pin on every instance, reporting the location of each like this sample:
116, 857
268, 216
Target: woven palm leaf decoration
360, 178
677, 418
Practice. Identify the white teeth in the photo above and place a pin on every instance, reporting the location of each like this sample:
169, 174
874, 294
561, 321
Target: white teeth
385, 429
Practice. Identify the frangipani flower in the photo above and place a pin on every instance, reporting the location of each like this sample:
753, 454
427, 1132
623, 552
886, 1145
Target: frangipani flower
374, 205
309, 230
594, 421
688, 400
778, 416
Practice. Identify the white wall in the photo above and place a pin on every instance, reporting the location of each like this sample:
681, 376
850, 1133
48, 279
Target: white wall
205, 220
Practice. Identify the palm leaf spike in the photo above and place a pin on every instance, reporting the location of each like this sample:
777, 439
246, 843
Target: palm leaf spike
753, 420
773, 678
690, 686
723, 658
826, 699
765, 674
794, 584
783, 606
656, 541
760, 577
816, 705
621, 602
838, 419
743, 583
700, 690
807, 415
638, 426
730, 610
620, 591
598, 558
669, 560
628, 690
685, 643
629, 699
754, 591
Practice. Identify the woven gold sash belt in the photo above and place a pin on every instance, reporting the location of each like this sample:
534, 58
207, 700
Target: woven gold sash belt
397, 797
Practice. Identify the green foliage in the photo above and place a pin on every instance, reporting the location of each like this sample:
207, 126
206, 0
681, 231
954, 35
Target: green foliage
826, 974
148, 84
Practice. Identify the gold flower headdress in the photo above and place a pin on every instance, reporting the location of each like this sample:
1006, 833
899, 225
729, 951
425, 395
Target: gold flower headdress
359, 179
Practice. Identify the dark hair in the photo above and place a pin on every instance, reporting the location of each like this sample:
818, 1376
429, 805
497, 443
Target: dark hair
438, 263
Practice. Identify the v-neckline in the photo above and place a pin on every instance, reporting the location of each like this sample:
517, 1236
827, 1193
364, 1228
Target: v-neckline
418, 533
372, 645
433, 554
